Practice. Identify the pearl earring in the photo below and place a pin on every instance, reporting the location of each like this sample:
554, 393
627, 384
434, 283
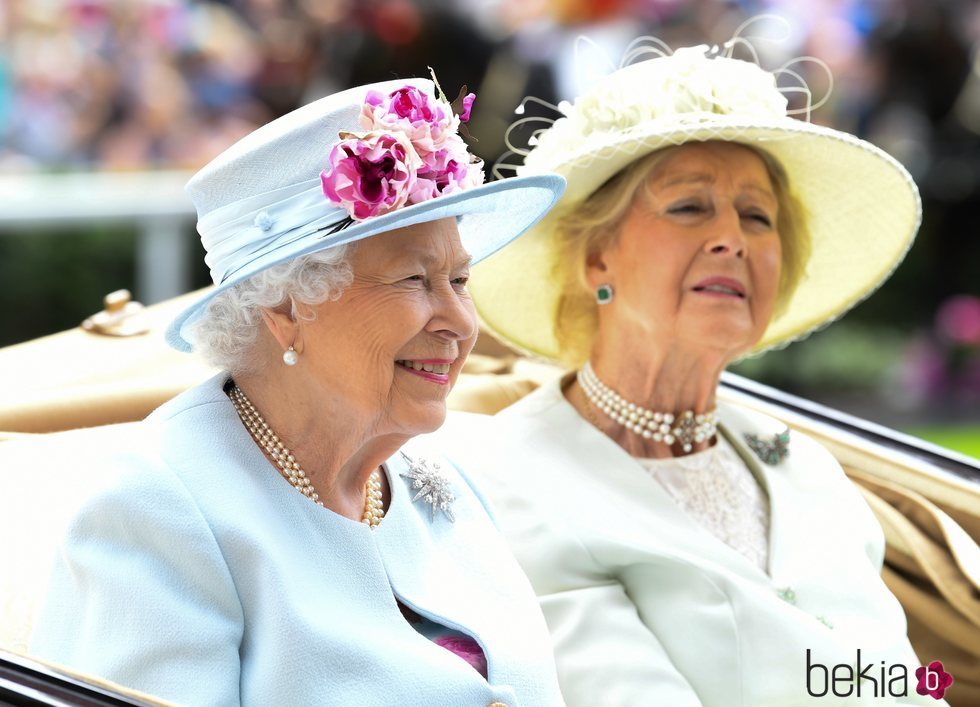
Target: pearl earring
604, 294
290, 357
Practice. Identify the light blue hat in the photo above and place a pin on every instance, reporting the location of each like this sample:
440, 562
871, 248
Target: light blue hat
262, 201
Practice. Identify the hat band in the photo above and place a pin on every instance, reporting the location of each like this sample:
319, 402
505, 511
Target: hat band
251, 230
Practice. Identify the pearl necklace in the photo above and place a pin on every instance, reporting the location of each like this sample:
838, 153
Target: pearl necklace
657, 426
290, 469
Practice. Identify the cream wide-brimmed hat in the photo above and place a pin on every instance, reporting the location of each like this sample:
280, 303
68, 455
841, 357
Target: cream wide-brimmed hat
349, 166
862, 207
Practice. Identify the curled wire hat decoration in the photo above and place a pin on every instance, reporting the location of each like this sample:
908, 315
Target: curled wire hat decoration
592, 65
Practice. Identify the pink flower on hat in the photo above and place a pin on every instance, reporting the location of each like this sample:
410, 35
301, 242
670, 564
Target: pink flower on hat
370, 174
446, 171
411, 153
468, 99
408, 102
428, 123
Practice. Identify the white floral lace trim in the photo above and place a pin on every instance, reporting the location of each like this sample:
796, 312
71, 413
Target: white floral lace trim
718, 490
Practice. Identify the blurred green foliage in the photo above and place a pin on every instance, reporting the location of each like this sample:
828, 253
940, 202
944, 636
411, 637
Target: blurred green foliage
848, 356
53, 280
962, 438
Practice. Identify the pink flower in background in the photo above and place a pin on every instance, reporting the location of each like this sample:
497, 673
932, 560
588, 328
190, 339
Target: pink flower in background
922, 370
370, 174
467, 649
944, 366
958, 320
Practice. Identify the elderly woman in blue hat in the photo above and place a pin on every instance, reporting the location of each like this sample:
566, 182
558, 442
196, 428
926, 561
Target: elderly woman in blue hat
275, 535
687, 550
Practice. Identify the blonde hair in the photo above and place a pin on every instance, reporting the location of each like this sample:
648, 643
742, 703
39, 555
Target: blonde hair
594, 225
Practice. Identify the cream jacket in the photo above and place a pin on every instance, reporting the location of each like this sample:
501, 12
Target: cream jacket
645, 607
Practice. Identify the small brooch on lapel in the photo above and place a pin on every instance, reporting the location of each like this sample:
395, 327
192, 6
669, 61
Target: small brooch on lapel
433, 488
771, 450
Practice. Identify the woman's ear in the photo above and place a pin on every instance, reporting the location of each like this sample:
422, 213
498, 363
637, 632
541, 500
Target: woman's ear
283, 325
596, 269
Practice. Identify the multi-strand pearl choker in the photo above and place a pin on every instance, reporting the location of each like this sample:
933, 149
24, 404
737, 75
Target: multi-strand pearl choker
288, 466
687, 429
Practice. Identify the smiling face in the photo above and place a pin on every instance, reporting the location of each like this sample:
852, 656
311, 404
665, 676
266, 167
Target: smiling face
389, 349
697, 260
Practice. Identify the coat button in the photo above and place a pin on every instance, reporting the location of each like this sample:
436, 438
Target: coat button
787, 594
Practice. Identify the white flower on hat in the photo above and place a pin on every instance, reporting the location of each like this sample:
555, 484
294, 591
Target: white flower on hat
687, 87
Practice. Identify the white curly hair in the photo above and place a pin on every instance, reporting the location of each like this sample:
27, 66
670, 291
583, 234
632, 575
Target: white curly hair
226, 331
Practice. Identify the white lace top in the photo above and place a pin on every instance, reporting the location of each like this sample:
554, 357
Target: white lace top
718, 490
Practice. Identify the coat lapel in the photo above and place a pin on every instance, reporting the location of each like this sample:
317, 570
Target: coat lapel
456, 573
789, 533
669, 525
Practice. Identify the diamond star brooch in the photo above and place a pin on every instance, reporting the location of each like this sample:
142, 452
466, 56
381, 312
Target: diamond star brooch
430, 485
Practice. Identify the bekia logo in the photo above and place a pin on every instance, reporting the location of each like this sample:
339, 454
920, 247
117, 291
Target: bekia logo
873, 679
933, 680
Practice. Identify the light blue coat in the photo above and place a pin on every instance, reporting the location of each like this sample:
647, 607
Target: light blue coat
198, 574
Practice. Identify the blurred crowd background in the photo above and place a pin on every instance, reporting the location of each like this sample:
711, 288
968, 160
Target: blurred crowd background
137, 85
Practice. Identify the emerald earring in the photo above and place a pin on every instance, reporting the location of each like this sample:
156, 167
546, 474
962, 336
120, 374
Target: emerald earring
604, 294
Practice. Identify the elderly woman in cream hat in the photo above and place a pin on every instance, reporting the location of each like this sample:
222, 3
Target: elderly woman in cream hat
274, 535
687, 551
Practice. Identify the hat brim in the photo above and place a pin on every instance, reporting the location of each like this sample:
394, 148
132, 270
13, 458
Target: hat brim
862, 211
490, 217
